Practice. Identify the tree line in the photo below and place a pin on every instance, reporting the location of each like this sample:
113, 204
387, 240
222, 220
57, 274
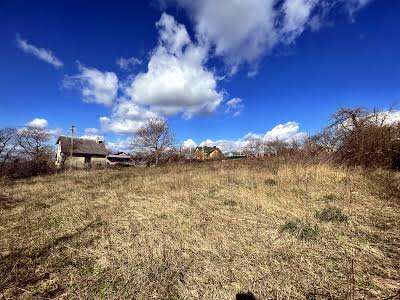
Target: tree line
353, 137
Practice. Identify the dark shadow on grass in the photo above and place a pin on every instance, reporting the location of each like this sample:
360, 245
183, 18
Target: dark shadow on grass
18, 269
245, 296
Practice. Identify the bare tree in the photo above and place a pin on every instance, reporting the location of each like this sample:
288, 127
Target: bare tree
154, 139
34, 143
365, 137
7, 144
253, 147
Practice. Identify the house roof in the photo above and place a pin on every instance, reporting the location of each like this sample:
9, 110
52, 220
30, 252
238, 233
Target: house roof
119, 156
82, 146
207, 149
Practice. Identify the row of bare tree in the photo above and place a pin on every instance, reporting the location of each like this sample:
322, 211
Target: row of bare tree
25, 152
353, 137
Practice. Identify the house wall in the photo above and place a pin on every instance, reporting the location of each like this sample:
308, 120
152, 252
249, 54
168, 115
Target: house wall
79, 162
198, 154
215, 154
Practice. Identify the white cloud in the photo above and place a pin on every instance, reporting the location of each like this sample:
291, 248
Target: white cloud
189, 144
243, 31
353, 6
296, 14
239, 31
286, 132
128, 63
95, 86
121, 145
93, 137
38, 123
41, 53
177, 80
389, 117
234, 106
127, 117
92, 130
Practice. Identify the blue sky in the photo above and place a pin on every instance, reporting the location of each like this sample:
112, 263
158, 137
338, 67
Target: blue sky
219, 71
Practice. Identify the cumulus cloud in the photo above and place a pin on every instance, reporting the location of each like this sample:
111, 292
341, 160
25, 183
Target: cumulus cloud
189, 144
93, 137
95, 86
286, 132
126, 117
41, 53
128, 63
38, 123
242, 32
121, 145
234, 106
177, 80
92, 130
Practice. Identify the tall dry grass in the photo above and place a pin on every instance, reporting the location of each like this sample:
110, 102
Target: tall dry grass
203, 231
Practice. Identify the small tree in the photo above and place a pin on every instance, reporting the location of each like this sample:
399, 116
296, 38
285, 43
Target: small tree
154, 139
7, 144
34, 143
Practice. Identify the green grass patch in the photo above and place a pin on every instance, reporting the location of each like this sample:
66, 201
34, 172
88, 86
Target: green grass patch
302, 230
331, 214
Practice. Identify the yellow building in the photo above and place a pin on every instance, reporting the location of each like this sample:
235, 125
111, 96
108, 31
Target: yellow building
207, 153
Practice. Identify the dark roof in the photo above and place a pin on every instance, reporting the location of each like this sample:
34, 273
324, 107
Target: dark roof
207, 149
119, 156
82, 146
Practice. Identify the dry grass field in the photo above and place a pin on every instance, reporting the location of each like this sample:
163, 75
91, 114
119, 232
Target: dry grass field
201, 231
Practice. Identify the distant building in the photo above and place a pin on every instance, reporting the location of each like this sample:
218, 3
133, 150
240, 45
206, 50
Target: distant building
119, 159
235, 156
207, 153
85, 152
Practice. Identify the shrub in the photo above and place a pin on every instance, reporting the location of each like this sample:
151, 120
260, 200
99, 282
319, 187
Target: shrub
301, 229
331, 214
20, 168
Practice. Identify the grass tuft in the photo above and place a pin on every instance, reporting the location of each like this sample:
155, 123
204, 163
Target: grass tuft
301, 229
331, 214
328, 198
270, 182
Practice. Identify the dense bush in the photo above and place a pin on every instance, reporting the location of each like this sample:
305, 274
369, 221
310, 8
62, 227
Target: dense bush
19, 169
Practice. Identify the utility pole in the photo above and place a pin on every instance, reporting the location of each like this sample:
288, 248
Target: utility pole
72, 145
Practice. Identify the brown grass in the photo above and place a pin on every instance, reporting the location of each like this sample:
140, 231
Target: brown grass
203, 231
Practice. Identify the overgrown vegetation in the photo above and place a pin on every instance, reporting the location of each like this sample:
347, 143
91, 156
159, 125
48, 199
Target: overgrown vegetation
200, 231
